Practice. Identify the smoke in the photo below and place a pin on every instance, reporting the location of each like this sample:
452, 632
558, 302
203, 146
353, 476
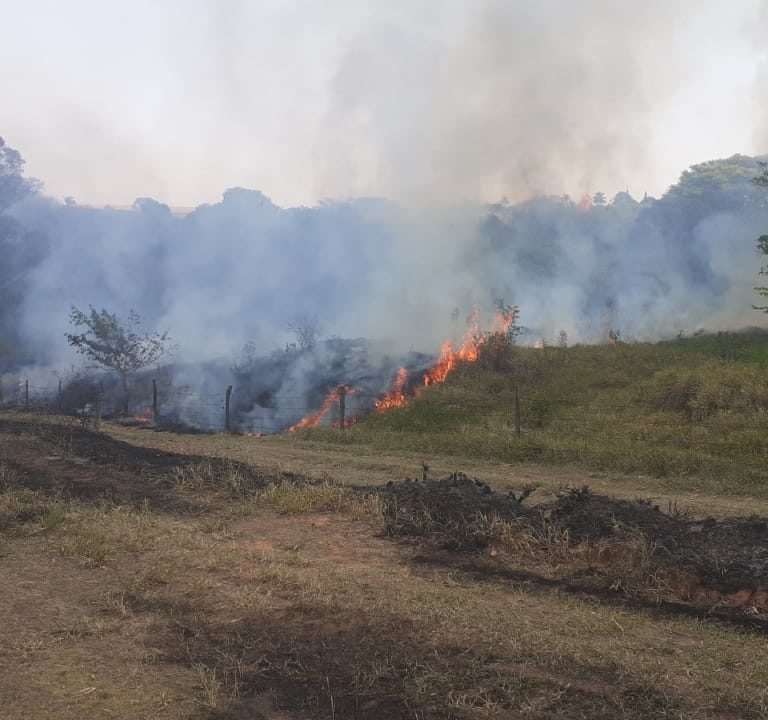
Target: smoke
243, 269
438, 110
757, 34
489, 99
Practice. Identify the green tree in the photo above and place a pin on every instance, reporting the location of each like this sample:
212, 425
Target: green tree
116, 345
13, 184
762, 241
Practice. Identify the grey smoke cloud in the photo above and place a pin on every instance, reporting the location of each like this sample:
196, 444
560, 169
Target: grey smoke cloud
412, 101
484, 99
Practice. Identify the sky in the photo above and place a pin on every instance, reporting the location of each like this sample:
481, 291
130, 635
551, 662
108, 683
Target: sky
442, 102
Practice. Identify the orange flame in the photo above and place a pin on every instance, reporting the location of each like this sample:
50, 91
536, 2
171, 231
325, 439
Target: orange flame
396, 396
314, 419
468, 351
147, 416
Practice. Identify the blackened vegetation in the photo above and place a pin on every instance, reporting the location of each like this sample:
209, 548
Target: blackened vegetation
707, 562
386, 667
94, 466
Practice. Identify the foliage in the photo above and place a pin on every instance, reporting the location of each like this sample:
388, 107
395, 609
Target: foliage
762, 241
714, 176
678, 410
496, 346
116, 345
306, 329
13, 184
509, 316
762, 244
249, 357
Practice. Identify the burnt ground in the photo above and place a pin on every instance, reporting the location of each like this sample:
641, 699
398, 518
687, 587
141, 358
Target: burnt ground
722, 562
70, 460
146, 583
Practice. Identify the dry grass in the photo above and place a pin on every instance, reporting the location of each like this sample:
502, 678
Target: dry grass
302, 497
285, 601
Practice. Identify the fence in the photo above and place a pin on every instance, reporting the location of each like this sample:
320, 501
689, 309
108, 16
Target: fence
174, 406
566, 430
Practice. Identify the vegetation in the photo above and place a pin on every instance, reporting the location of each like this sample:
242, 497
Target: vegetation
693, 411
149, 583
762, 241
117, 345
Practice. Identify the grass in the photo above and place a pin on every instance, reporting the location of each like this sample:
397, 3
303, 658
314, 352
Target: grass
692, 411
152, 583
302, 497
288, 601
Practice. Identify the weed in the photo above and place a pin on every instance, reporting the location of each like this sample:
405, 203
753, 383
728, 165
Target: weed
302, 497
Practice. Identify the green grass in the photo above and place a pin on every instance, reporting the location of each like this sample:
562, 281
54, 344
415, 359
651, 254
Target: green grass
693, 412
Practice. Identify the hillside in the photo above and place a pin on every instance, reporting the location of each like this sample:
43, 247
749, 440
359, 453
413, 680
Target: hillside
693, 411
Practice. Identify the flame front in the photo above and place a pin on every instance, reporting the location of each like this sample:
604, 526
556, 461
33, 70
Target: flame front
468, 351
148, 416
314, 419
396, 396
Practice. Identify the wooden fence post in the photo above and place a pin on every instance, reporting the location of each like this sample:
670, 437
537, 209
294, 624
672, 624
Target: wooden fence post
227, 398
26, 394
342, 406
518, 421
58, 399
154, 400
97, 412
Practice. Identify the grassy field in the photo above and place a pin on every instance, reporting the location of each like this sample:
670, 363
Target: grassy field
221, 577
691, 412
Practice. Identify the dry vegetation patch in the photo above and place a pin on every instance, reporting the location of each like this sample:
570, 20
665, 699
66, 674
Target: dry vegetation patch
172, 586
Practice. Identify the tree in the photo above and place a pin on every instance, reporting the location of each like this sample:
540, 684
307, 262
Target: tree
13, 184
117, 345
599, 199
307, 331
762, 241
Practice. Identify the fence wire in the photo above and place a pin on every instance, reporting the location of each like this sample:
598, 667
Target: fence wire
566, 429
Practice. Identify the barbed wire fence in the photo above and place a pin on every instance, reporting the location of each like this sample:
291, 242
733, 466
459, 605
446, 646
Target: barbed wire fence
572, 430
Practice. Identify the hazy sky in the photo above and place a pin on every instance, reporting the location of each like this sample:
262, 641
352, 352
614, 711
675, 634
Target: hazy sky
443, 100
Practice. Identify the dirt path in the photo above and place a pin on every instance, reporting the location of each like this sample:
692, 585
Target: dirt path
360, 465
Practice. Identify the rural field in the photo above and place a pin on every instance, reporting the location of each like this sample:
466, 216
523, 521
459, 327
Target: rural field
608, 563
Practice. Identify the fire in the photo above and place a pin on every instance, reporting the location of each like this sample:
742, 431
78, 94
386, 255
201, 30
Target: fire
450, 356
148, 416
348, 422
316, 418
468, 351
396, 396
